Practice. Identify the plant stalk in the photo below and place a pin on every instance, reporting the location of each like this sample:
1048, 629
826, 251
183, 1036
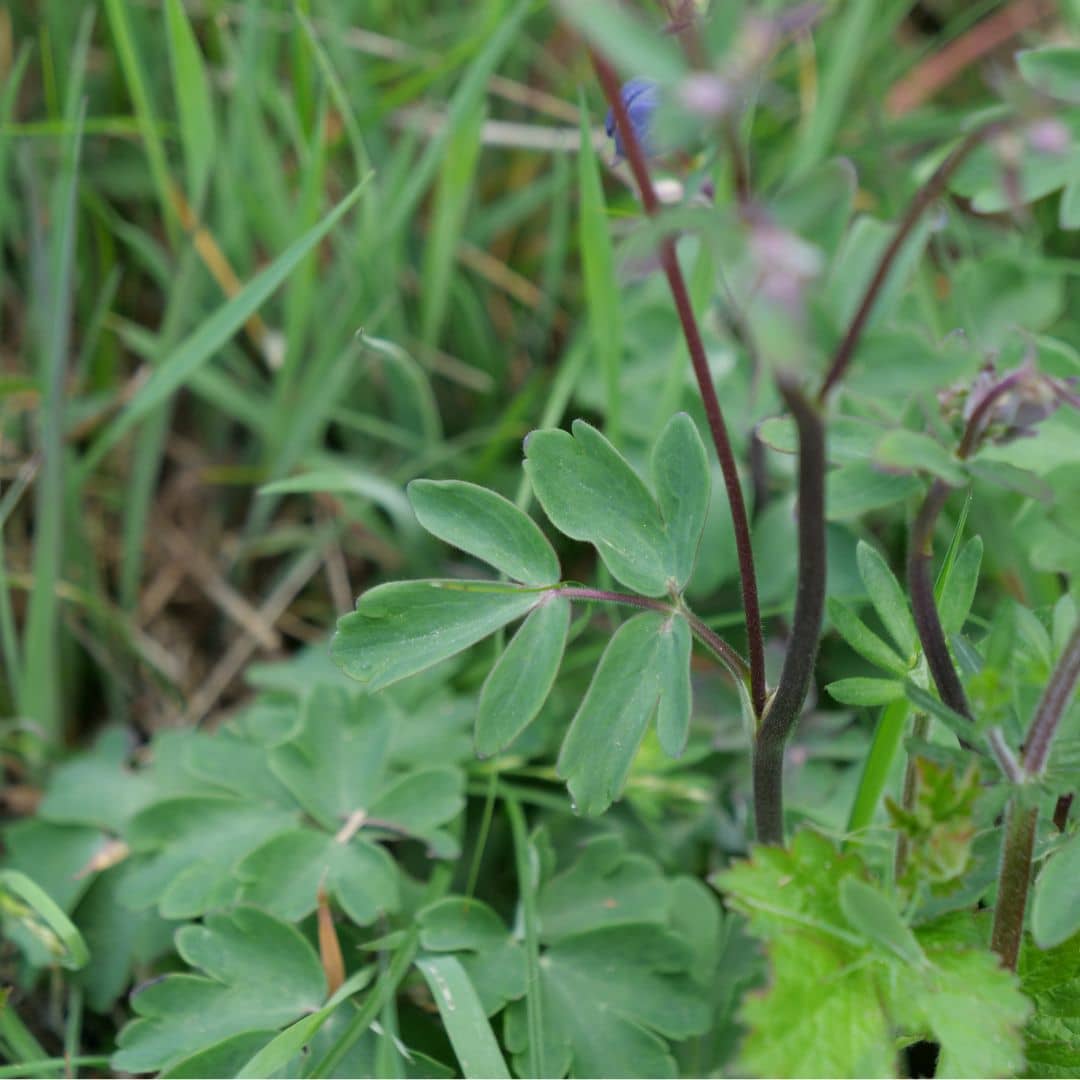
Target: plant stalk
1014, 878
681, 296
786, 705
929, 191
923, 605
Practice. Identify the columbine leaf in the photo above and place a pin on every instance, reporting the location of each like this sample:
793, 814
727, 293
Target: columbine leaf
494, 960
404, 627
260, 974
591, 493
1055, 907
680, 469
519, 683
484, 524
636, 671
1053, 70
284, 876
888, 599
673, 712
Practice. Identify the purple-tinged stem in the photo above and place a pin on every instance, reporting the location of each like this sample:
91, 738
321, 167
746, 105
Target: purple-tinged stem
677, 283
930, 190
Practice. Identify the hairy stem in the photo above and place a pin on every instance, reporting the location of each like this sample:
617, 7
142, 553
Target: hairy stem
920, 730
930, 190
1014, 879
1055, 700
677, 283
786, 705
923, 606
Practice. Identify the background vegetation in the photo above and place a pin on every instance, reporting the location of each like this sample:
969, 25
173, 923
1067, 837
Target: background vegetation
266, 262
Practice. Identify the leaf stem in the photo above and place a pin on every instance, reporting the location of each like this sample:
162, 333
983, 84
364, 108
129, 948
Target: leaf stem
681, 296
1055, 700
783, 711
926, 194
923, 605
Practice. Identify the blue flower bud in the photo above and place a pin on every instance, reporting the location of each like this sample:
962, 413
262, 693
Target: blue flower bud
641, 97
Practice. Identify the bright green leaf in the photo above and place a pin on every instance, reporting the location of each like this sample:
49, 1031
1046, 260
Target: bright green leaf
486, 525
912, 451
1054, 70
864, 691
862, 639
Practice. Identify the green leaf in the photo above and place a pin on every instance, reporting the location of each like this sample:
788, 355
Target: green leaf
404, 627
926, 702
284, 876
519, 683
636, 671
493, 959
676, 698
191, 845
912, 451
605, 886
463, 1017
863, 691
1051, 979
486, 525
874, 915
24, 900
259, 974
608, 996
680, 470
213, 333
862, 639
191, 88
959, 591
1003, 475
591, 493
888, 599
825, 927
1055, 905
1054, 70
858, 488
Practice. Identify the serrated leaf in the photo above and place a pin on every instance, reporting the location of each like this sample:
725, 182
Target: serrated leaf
912, 451
1055, 902
484, 524
875, 916
864, 691
799, 901
888, 599
591, 493
519, 683
959, 592
259, 974
404, 627
862, 639
634, 673
680, 470
1051, 979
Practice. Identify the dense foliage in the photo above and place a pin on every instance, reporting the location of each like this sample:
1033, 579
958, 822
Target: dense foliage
700, 431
